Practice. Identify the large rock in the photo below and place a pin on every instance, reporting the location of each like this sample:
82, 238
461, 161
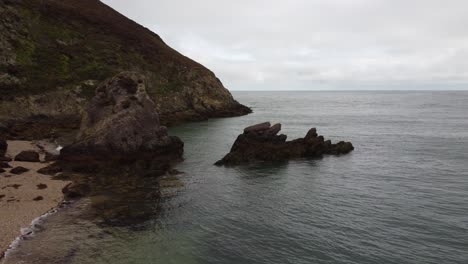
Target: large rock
261, 143
121, 124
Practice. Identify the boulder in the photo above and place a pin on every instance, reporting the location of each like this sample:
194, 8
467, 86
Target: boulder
257, 128
52, 169
19, 170
266, 145
3, 147
121, 125
28, 156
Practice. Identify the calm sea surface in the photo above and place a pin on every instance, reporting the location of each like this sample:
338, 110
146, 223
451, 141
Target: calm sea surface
400, 197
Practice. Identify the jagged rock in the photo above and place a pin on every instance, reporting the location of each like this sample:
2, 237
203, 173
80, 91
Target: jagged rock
3, 147
19, 170
261, 143
28, 156
121, 124
50, 170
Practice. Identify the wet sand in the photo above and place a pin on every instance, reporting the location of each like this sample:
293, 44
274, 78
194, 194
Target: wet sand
25, 197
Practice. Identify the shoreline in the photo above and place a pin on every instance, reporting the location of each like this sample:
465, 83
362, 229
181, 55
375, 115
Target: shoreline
26, 198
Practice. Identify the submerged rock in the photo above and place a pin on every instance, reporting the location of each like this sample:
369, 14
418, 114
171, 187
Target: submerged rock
261, 143
121, 125
28, 156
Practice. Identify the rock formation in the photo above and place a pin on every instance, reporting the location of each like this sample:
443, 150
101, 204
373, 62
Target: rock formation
121, 125
261, 142
53, 53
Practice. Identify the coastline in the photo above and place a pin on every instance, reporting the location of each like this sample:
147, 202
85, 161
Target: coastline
26, 197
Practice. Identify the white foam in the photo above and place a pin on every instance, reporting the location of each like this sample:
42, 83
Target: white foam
30, 231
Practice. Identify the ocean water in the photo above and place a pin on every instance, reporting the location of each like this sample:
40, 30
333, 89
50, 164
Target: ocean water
400, 197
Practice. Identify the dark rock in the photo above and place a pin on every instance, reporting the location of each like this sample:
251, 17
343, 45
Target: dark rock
50, 170
311, 134
76, 190
38, 198
41, 186
273, 131
267, 146
3, 147
257, 128
51, 157
121, 126
2, 170
19, 170
4, 165
28, 156
6, 159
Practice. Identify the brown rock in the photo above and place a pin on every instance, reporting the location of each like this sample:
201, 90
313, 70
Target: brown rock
50, 170
19, 170
257, 128
28, 156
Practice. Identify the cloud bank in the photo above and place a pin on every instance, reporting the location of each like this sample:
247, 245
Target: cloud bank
316, 44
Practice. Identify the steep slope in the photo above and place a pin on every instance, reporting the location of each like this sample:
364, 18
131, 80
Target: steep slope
53, 53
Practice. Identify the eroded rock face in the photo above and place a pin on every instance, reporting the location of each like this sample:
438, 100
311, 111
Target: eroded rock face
261, 142
121, 124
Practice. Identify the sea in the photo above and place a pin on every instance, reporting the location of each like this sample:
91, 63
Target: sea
400, 197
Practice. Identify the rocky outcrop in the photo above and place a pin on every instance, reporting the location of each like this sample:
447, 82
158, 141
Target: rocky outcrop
121, 125
261, 142
53, 53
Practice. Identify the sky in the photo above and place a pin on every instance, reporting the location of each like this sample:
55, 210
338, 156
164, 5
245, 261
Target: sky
316, 44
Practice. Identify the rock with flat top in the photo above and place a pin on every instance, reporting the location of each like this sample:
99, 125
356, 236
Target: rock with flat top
257, 128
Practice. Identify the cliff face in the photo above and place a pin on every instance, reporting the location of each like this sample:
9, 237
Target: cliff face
53, 53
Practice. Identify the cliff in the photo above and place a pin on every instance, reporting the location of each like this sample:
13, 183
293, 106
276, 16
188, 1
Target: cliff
53, 53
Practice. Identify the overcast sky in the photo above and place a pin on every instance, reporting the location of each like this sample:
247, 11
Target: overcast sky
316, 44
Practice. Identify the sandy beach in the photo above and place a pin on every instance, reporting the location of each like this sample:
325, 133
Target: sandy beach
26, 196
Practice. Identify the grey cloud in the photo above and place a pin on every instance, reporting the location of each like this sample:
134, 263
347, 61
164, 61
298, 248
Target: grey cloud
316, 44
